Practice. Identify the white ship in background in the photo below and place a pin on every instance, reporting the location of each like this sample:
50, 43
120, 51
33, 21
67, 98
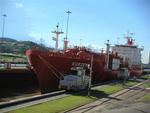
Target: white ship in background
131, 55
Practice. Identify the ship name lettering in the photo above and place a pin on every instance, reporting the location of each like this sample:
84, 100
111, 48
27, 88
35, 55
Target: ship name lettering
79, 64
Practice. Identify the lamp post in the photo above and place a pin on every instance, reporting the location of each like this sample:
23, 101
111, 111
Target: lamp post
90, 79
68, 12
65, 39
3, 27
107, 58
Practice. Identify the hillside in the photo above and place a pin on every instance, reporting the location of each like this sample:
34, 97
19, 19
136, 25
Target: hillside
9, 45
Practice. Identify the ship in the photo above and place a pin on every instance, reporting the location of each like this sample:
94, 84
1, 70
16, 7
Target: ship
131, 55
51, 66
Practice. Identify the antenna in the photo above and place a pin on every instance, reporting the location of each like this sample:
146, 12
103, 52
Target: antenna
56, 33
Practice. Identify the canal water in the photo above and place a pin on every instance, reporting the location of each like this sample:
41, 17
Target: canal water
17, 82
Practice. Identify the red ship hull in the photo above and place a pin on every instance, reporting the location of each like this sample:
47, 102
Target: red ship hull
47, 79
50, 66
135, 72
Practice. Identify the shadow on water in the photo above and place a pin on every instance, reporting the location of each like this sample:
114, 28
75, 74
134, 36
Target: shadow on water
14, 84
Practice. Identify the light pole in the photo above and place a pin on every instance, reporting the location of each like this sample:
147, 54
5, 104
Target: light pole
107, 58
4, 16
68, 12
65, 39
90, 79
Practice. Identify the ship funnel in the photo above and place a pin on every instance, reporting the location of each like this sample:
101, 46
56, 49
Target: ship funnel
65, 44
130, 40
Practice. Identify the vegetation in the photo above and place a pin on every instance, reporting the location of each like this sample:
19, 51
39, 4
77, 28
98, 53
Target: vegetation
76, 99
55, 106
146, 98
130, 83
147, 84
12, 58
145, 77
9, 45
13, 50
109, 89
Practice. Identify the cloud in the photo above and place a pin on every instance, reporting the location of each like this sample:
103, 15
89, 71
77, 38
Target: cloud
94, 47
40, 37
36, 36
18, 5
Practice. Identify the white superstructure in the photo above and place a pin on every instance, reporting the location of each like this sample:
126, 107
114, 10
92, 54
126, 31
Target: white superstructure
129, 52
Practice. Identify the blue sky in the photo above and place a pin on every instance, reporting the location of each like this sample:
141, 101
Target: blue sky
93, 21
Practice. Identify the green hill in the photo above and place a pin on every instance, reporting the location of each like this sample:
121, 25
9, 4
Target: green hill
8, 45
14, 51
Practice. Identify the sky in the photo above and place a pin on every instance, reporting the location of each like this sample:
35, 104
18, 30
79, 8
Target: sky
91, 23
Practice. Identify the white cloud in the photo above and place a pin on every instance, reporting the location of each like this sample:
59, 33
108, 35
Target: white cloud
18, 5
94, 47
36, 36
40, 37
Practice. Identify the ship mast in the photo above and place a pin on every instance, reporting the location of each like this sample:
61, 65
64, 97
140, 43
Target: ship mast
129, 38
66, 38
56, 35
